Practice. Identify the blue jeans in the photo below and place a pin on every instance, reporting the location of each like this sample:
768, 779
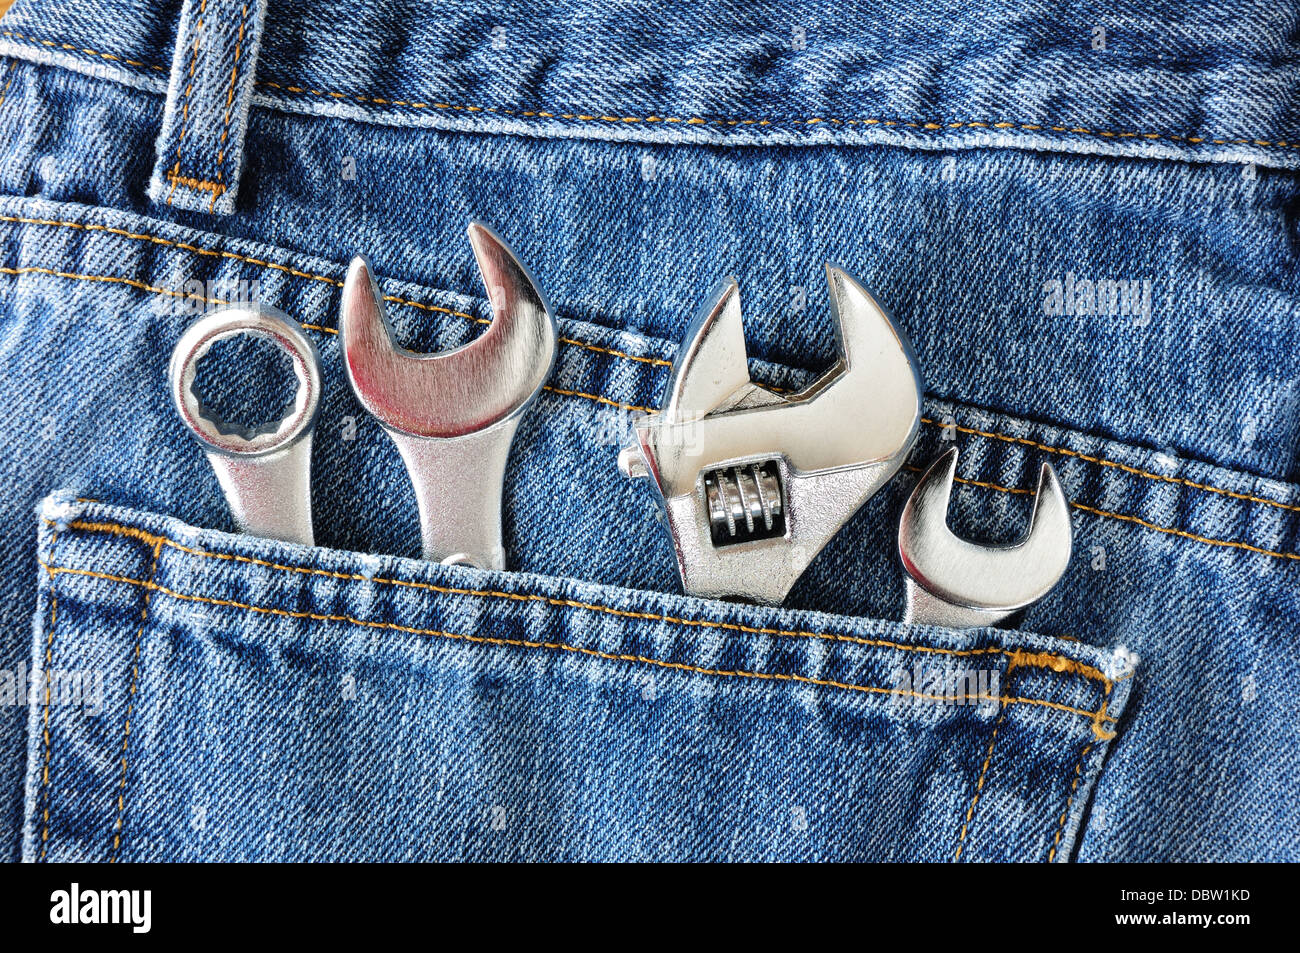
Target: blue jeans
1086, 227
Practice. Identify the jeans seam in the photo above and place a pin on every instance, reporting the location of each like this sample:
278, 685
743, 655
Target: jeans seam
979, 786
1102, 461
72, 48
45, 718
925, 125
598, 398
230, 98
1069, 800
1094, 717
149, 589
599, 349
1016, 658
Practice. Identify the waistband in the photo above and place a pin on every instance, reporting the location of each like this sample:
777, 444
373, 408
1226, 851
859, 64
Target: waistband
1203, 81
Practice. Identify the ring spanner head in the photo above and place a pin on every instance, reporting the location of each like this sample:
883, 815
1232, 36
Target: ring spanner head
755, 483
453, 414
960, 584
265, 474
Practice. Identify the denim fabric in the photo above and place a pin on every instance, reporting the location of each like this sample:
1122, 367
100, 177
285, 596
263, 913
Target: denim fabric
1167, 405
281, 703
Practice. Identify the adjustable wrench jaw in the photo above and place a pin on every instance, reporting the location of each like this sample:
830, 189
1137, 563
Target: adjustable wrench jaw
753, 483
453, 415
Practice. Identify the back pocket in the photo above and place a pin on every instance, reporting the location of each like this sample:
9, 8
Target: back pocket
197, 695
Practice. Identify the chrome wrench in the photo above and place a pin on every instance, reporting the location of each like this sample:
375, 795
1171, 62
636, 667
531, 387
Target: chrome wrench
960, 584
265, 473
453, 414
755, 483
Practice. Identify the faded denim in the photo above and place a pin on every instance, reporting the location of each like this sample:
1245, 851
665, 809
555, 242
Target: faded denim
992, 182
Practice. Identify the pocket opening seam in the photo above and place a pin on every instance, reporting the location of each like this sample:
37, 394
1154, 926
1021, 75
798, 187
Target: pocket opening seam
608, 118
1016, 657
1096, 718
600, 349
979, 786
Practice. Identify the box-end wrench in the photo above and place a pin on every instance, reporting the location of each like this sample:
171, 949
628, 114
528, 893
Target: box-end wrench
960, 584
265, 473
453, 414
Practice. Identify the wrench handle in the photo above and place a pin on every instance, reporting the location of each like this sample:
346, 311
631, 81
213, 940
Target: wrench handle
269, 495
458, 486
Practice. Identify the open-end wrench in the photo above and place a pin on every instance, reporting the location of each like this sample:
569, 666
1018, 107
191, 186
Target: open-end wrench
959, 584
755, 483
265, 473
453, 414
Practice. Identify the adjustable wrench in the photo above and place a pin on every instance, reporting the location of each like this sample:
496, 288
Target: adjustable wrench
959, 584
754, 483
453, 415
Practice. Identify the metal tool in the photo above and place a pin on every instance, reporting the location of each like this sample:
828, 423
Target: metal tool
959, 584
265, 473
755, 483
453, 415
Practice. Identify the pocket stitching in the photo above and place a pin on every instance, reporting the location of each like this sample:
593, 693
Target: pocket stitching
1074, 787
49, 663
130, 704
979, 786
600, 349
1017, 657
1094, 717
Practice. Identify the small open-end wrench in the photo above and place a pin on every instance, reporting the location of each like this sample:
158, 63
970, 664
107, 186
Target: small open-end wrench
960, 584
266, 473
755, 483
453, 415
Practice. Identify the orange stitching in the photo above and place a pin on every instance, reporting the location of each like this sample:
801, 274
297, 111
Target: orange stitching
130, 704
656, 361
13, 65
1186, 535
49, 665
1078, 776
32, 269
701, 121
199, 185
1101, 735
929, 126
562, 646
1102, 461
79, 49
598, 399
979, 786
1019, 658
1280, 554
185, 109
156, 240
230, 98
1057, 663
112, 279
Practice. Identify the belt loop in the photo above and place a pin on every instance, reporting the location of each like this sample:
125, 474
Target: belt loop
199, 154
